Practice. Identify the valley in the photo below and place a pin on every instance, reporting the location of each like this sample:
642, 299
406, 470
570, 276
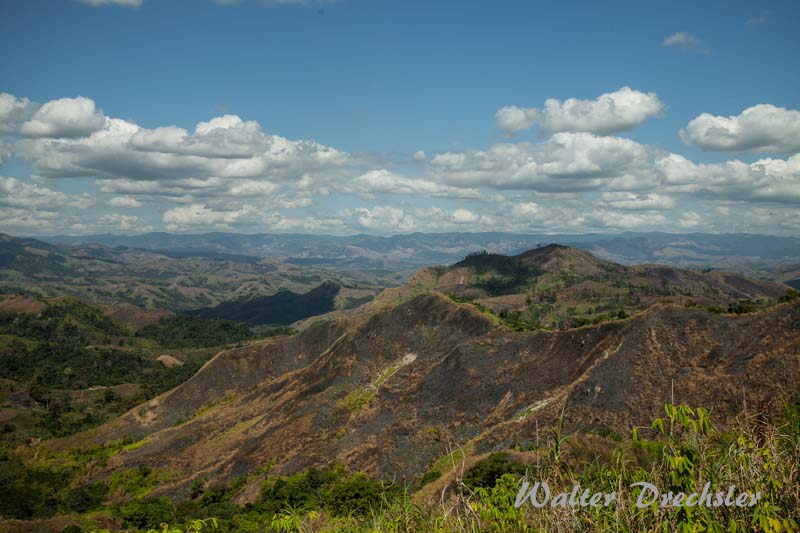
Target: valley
164, 280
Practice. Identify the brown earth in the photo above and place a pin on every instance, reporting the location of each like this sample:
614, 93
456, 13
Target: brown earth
386, 392
169, 361
19, 303
135, 318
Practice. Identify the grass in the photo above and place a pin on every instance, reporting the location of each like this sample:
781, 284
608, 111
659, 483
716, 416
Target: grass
359, 397
679, 453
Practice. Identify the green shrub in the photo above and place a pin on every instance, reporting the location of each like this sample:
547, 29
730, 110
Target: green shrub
86, 498
353, 495
147, 514
429, 477
486, 472
790, 295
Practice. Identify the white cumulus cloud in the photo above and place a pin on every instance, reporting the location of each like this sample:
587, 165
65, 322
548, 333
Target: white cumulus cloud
18, 193
464, 216
773, 180
65, 117
567, 162
14, 111
71, 138
386, 182
761, 128
512, 119
227, 173
201, 215
615, 112
122, 223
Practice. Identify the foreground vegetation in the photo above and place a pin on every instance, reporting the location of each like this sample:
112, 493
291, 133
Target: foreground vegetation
678, 453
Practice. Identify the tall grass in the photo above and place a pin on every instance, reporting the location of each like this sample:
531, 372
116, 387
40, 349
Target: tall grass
679, 453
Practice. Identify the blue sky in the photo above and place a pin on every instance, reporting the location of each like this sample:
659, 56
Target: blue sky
377, 81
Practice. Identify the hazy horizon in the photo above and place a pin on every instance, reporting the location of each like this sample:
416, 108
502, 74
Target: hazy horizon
390, 235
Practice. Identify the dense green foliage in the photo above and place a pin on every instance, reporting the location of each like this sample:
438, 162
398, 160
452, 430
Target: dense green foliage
64, 355
263, 332
181, 331
148, 513
333, 488
532, 318
499, 274
38, 491
30, 256
485, 473
71, 345
576, 290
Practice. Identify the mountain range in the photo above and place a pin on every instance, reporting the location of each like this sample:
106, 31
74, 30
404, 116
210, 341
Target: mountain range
153, 405
423, 249
389, 387
166, 279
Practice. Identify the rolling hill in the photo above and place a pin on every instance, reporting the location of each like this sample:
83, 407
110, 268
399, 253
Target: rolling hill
171, 280
385, 388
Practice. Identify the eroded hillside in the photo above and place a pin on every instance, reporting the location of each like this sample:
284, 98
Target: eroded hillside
386, 392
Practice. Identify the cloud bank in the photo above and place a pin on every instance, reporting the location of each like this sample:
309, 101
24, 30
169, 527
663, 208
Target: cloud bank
89, 173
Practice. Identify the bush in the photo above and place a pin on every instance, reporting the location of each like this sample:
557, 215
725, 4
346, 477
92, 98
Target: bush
353, 495
504, 274
83, 499
333, 488
790, 295
485, 473
149, 513
430, 477
299, 490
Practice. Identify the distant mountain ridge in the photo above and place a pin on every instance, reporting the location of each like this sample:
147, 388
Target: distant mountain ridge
758, 255
167, 279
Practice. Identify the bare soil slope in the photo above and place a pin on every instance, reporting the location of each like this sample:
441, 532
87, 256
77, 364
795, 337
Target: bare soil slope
386, 391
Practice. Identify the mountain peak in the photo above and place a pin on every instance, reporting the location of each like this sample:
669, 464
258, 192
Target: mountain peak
557, 257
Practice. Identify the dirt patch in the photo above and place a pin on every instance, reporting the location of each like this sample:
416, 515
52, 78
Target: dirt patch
18, 303
169, 361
